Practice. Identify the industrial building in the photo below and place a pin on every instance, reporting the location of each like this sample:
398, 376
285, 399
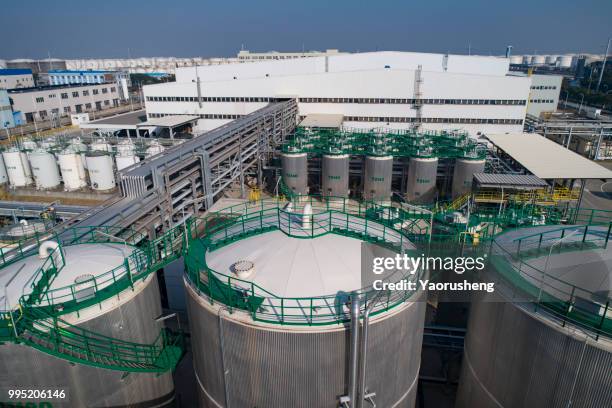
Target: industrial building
544, 94
16, 78
248, 56
70, 77
378, 89
45, 102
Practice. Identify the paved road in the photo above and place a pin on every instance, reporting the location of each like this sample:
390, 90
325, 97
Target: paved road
598, 194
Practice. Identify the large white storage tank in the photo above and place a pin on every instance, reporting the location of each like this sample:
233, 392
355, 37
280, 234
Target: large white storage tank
72, 169
17, 167
543, 337
44, 168
298, 321
101, 173
539, 59
516, 59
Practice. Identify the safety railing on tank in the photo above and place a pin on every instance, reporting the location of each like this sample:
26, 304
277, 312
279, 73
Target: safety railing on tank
566, 302
231, 225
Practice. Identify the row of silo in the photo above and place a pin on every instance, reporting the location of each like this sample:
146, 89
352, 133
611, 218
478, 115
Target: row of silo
377, 178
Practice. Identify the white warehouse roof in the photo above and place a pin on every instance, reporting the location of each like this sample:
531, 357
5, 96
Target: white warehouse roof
547, 159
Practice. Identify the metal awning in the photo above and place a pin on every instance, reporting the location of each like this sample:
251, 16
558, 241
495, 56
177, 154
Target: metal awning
122, 121
323, 120
547, 159
509, 181
170, 121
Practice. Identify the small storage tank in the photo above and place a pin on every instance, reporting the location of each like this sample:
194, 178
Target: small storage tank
100, 168
543, 338
377, 178
3, 175
565, 61
125, 148
48, 143
99, 358
551, 59
79, 147
72, 169
527, 59
286, 342
28, 144
44, 168
539, 60
17, 167
422, 175
126, 161
463, 175
516, 59
335, 175
154, 148
295, 172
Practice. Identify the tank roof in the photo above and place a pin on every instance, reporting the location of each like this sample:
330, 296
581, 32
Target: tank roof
83, 259
295, 267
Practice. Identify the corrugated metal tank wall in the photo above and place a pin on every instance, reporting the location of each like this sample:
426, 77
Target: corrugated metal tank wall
89, 386
335, 175
421, 183
514, 359
377, 178
295, 172
278, 366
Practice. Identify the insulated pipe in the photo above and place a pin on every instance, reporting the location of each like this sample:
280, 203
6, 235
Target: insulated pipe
354, 356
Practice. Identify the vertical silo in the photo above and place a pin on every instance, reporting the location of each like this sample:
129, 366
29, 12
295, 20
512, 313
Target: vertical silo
17, 167
273, 331
295, 172
335, 175
377, 178
463, 175
421, 180
45, 170
543, 337
100, 168
108, 348
72, 169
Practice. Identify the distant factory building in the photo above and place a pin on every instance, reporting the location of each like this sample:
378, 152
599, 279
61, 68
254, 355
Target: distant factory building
544, 94
376, 89
48, 102
16, 78
71, 77
245, 55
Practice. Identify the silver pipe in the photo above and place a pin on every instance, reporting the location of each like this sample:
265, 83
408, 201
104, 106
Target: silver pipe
354, 350
364, 351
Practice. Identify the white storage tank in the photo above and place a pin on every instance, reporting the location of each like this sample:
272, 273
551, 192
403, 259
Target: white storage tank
125, 148
101, 174
551, 59
3, 175
79, 147
44, 169
17, 167
516, 59
154, 148
72, 169
539, 59
565, 61
28, 144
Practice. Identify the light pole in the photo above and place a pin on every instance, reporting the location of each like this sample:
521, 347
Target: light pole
548, 258
581, 101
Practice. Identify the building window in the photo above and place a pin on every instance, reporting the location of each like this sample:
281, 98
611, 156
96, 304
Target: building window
85, 93
75, 94
40, 99
64, 96
95, 92
113, 89
106, 103
88, 106
66, 109
104, 90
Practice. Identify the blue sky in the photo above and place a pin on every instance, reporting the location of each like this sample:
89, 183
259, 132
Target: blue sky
112, 28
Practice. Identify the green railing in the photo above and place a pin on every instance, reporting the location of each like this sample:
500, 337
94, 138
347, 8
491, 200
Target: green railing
566, 302
44, 276
231, 225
